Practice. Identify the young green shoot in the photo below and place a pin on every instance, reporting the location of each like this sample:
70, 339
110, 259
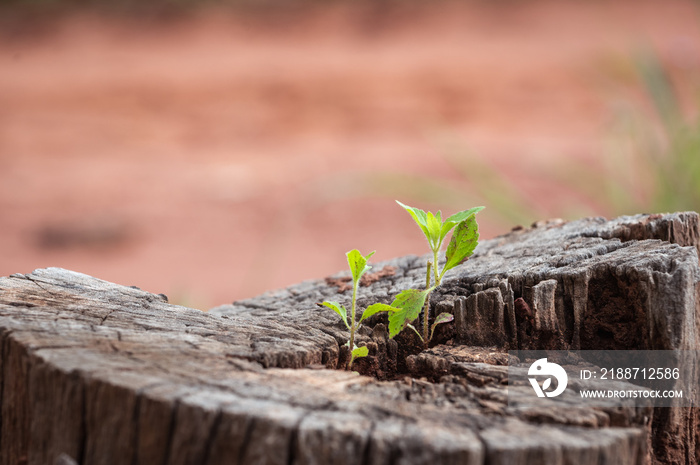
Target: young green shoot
461, 246
358, 266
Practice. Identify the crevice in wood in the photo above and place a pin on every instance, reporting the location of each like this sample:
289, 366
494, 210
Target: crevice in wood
105, 317
293, 445
83, 434
16, 410
141, 395
367, 450
210, 437
171, 431
485, 447
394, 455
250, 427
36, 282
50, 348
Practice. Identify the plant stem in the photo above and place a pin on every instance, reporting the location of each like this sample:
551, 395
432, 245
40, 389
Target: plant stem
426, 307
435, 267
351, 343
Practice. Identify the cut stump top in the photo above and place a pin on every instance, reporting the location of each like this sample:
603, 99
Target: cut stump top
104, 373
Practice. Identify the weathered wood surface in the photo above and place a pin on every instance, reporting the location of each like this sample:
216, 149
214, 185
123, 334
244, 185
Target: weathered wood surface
97, 373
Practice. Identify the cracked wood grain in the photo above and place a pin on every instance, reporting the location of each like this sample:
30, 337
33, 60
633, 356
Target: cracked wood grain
99, 373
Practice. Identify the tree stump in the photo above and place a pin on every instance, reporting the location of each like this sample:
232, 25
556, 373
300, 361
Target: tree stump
98, 373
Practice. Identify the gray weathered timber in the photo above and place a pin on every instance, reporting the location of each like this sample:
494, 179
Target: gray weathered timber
97, 373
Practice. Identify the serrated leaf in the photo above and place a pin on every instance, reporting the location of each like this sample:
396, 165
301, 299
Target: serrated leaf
410, 303
463, 215
464, 240
440, 319
377, 308
419, 216
546, 384
358, 263
358, 352
455, 219
339, 309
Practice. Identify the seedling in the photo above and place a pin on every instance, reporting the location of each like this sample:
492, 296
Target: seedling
358, 266
462, 244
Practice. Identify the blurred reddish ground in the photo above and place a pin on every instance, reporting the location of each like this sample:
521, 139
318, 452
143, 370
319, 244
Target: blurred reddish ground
219, 155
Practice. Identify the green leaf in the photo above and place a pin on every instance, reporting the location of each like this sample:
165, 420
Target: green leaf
463, 215
377, 308
419, 216
446, 228
358, 263
441, 318
464, 241
409, 302
340, 310
457, 218
434, 228
359, 352
415, 331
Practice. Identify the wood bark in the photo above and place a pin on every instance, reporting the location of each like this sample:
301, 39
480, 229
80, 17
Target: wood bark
97, 373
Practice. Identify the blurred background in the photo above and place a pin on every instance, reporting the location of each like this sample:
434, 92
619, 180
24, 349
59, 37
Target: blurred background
214, 150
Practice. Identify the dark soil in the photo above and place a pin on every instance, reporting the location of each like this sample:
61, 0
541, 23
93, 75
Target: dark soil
396, 358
